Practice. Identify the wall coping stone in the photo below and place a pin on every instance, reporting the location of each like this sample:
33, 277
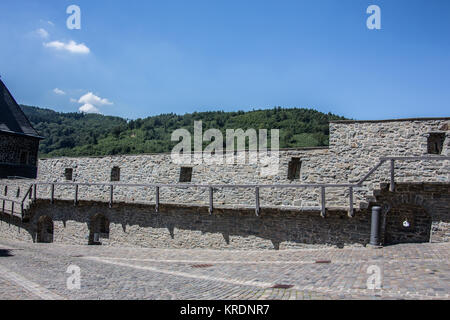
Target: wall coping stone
168, 153
388, 120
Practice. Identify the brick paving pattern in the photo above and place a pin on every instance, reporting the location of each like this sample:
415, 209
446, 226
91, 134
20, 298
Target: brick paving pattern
38, 271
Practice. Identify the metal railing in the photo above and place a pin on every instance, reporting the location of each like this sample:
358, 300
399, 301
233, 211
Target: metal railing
322, 186
210, 187
13, 202
392, 165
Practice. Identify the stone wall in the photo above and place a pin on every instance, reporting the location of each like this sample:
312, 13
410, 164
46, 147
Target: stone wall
192, 227
355, 148
426, 208
160, 169
290, 217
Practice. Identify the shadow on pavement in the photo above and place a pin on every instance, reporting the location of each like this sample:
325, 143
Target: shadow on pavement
5, 253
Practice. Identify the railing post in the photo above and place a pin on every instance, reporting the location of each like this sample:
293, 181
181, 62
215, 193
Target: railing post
375, 227
75, 200
257, 206
157, 199
35, 192
392, 184
30, 190
52, 194
350, 211
111, 195
6, 193
323, 204
12, 208
211, 200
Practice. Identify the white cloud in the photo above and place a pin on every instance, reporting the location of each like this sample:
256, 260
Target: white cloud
88, 108
42, 33
59, 91
90, 103
73, 100
70, 46
48, 22
90, 98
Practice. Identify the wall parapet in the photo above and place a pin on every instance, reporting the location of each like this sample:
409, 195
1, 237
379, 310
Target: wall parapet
109, 194
425, 205
390, 120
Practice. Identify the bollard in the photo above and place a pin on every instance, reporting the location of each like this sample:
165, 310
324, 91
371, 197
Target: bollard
375, 227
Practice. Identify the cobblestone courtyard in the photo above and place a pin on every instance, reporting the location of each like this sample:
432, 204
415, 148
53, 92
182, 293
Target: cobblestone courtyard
38, 271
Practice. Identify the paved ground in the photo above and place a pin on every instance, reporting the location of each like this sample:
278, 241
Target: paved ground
38, 271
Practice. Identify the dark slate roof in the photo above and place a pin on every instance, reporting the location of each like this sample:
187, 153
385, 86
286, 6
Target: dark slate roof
12, 118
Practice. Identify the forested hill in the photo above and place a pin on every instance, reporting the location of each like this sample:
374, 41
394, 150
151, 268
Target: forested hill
78, 134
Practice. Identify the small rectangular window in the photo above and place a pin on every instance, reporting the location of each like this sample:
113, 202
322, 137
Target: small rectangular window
294, 169
186, 174
436, 143
115, 174
68, 173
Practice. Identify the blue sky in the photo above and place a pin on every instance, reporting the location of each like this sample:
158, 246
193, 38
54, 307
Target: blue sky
138, 58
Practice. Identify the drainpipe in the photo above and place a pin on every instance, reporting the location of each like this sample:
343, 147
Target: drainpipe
375, 227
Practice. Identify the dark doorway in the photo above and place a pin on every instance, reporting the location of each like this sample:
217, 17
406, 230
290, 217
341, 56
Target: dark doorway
44, 230
407, 224
99, 229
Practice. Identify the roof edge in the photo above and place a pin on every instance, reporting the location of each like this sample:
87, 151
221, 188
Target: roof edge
22, 134
20, 110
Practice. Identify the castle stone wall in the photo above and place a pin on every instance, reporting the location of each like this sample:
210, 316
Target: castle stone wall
425, 206
355, 147
192, 227
290, 217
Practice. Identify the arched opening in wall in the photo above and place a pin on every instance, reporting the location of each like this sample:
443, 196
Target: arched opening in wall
407, 223
99, 229
44, 230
